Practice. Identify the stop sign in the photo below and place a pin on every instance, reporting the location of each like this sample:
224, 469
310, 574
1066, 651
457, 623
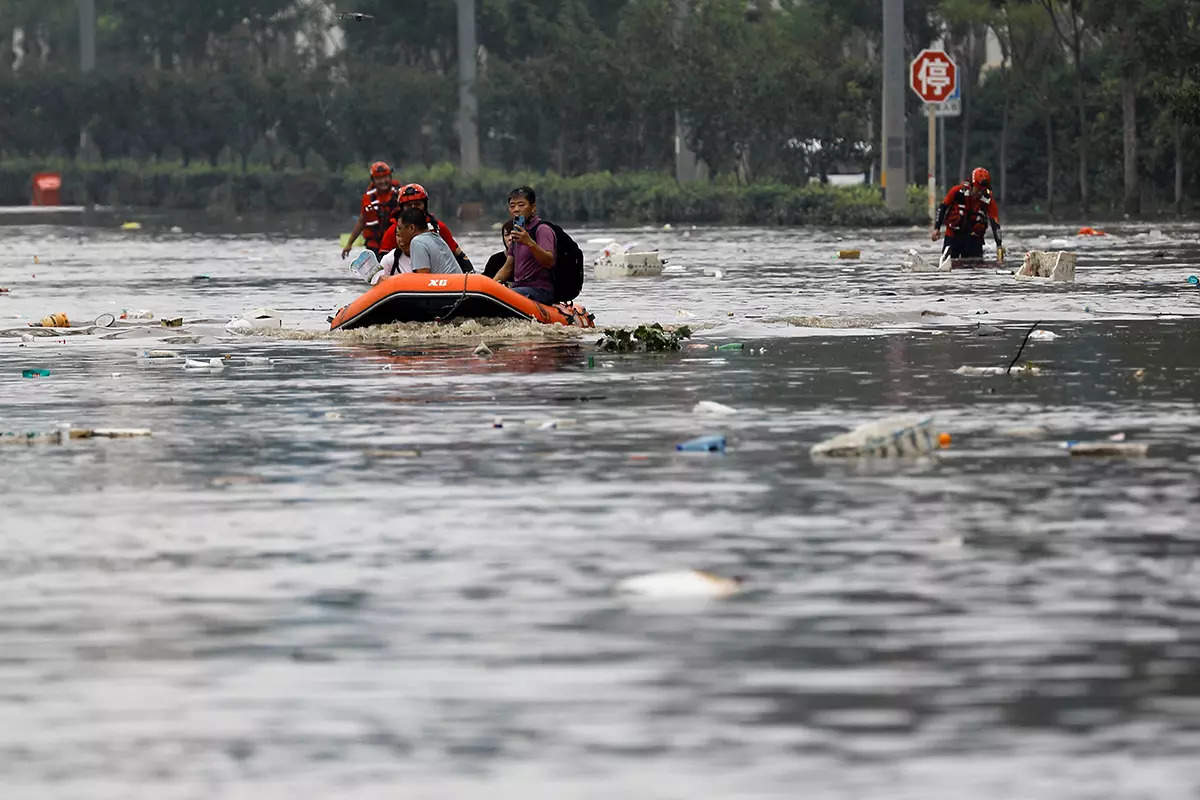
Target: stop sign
933, 76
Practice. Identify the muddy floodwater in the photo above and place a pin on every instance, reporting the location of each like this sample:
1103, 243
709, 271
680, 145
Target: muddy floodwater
328, 574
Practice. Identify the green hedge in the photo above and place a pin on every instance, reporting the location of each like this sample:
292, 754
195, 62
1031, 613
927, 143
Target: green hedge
630, 198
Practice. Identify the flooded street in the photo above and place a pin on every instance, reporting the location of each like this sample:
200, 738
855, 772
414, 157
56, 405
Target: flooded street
328, 574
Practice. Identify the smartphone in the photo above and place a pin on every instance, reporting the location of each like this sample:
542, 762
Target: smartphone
519, 222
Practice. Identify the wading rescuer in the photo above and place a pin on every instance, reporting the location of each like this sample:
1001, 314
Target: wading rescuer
968, 210
378, 203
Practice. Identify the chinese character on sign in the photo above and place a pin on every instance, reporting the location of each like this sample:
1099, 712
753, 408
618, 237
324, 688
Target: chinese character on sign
934, 76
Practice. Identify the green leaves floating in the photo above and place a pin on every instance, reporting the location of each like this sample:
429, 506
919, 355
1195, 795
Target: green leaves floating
643, 339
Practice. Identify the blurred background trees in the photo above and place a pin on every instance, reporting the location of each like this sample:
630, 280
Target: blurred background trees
1082, 102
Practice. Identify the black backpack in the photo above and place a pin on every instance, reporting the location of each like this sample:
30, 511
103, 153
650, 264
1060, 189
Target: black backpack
567, 274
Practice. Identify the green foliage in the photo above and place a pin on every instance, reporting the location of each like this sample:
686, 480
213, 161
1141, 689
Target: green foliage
627, 199
581, 97
643, 339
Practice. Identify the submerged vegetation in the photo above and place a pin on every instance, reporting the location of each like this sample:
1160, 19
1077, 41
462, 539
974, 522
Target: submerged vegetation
644, 339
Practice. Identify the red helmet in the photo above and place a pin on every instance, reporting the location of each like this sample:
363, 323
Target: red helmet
981, 177
413, 192
380, 169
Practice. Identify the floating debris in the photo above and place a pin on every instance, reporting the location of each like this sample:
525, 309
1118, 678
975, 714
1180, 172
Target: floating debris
1027, 368
68, 434
1052, 266
677, 584
901, 436
1110, 448
703, 444
713, 408
644, 338
392, 453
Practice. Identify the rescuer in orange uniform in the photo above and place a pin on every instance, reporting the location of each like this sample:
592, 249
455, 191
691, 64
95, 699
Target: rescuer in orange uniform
378, 203
968, 210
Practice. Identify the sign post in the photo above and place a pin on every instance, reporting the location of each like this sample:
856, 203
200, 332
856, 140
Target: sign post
934, 77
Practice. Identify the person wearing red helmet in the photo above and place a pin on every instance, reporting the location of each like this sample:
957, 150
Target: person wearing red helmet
414, 196
376, 207
968, 211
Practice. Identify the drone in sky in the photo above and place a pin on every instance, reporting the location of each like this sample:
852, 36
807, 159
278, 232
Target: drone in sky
357, 16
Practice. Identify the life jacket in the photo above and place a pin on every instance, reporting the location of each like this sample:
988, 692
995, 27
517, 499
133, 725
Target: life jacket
377, 208
966, 215
388, 240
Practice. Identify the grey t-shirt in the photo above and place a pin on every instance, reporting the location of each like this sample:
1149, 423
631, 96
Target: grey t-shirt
430, 251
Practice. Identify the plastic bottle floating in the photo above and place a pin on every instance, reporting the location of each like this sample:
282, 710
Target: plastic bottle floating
703, 444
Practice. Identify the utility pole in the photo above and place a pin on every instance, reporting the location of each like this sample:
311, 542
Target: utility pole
468, 102
688, 168
894, 75
87, 36
87, 58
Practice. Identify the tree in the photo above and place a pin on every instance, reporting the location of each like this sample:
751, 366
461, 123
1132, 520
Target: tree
1067, 18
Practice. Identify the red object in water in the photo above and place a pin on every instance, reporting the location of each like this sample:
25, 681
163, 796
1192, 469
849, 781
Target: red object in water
1091, 232
46, 187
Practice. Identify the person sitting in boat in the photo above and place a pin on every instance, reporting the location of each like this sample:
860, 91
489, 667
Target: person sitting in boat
425, 249
499, 258
377, 205
532, 248
968, 210
414, 196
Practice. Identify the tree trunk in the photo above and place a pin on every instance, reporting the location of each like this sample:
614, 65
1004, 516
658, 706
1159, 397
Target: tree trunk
1129, 126
971, 59
910, 163
1049, 164
1178, 168
964, 168
1003, 165
1082, 146
561, 159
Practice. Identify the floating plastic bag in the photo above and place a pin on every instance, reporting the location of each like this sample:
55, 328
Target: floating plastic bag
901, 436
713, 408
914, 262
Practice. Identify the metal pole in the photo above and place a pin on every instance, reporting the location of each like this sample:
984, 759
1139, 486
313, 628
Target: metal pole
688, 168
894, 73
87, 63
943, 178
932, 169
468, 103
87, 35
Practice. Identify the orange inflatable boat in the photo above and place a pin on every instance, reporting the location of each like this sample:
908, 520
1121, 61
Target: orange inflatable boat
429, 297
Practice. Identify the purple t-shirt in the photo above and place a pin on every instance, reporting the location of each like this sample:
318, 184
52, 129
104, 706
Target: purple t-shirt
527, 270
